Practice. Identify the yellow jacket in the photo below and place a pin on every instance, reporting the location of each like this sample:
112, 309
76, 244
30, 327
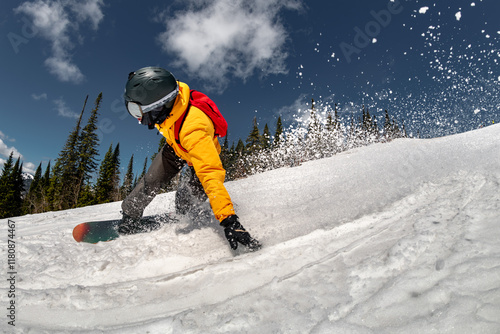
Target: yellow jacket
203, 149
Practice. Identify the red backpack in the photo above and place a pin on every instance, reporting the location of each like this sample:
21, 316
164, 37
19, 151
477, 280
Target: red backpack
205, 104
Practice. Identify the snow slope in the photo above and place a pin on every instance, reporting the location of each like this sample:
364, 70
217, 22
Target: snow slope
390, 238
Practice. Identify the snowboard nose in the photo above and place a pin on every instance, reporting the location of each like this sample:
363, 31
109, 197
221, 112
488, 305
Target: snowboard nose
80, 231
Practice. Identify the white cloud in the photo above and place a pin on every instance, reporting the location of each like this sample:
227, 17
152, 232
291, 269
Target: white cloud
221, 38
29, 167
5, 150
63, 109
64, 69
59, 22
39, 97
5, 137
89, 10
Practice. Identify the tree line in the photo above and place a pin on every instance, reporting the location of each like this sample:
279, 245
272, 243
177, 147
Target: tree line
77, 179
69, 182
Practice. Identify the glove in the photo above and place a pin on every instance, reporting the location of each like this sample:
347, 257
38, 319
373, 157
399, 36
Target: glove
236, 233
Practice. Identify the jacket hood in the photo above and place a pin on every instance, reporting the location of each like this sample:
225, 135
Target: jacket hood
180, 105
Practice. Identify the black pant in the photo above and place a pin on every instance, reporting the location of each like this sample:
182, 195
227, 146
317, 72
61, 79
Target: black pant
165, 166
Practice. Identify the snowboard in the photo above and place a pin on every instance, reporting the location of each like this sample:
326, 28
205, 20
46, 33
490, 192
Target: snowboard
107, 230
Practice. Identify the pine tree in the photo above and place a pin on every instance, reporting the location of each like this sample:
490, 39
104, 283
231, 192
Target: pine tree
330, 124
225, 147
254, 140
336, 120
353, 134
225, 154
395, 129
144, 169
162, 143
7, 167
87, 196
371, 128
128, 181
279, 131
314, 145
140, 176
107, 187
229, 161
333, 135
239, 167
388, 130
6, 187
115, 175
403, 132
314, 126
374, 129
240, 148
11, 188
45, 181
64, 179
266, 138
88, 144
18, 186
136, 179
37, 178
32, 200
364, 120
104, 184
44, 189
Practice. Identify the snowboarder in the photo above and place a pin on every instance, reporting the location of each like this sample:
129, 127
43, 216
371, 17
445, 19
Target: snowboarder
158, 100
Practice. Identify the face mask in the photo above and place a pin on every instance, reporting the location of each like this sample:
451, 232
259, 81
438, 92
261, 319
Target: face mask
156, 116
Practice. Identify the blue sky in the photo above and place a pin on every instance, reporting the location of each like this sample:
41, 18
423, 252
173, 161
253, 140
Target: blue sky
433, 64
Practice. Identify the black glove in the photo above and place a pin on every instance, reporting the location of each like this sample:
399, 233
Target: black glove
236, 233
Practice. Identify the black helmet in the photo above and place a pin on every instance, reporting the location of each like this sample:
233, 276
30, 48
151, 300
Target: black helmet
150, 94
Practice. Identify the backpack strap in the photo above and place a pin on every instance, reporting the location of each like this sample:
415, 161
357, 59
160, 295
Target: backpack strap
205, 104
178, 125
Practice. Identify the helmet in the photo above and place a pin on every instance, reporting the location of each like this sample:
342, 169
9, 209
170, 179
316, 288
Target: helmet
150, 93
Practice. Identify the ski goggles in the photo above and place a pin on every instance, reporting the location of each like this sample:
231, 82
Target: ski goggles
138, 111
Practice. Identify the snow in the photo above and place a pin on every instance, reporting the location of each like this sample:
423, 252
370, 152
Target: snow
389, 238
423, 10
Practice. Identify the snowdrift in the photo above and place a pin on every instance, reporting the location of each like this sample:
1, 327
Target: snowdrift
392, 238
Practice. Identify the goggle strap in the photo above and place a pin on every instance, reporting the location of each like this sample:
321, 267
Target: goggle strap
167, 98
